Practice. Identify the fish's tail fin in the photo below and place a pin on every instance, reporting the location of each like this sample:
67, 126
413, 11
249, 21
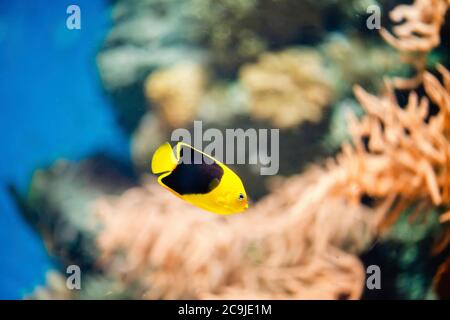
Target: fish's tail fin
163, 159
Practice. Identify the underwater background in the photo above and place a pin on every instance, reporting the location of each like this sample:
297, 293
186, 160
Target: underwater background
364, 122
52, 107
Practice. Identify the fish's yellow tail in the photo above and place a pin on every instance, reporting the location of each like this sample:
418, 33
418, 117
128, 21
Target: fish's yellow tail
163, 159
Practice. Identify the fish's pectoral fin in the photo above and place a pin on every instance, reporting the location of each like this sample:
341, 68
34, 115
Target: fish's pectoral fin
213, 184
163, 159
221, 201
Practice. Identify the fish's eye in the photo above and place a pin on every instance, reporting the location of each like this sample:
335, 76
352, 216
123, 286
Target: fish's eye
241, 197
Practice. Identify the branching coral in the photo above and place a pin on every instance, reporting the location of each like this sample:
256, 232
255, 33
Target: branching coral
288, 87
407, 155
417, 35
421, 27
418, 141
292, 244
407, 152
176, 92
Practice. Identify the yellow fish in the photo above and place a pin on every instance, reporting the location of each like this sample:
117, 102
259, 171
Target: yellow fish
209, 184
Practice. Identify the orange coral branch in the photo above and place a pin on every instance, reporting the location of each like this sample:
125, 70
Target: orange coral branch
416, 35
445, 217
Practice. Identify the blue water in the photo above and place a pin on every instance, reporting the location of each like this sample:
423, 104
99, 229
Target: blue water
51, 107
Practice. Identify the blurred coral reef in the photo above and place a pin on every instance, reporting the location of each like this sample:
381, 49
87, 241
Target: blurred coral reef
288, 87
176, 92
54, 289
367, 179
348, 67
404, 162
296, 245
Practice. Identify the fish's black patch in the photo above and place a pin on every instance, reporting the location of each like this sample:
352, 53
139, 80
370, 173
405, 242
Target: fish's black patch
193, 178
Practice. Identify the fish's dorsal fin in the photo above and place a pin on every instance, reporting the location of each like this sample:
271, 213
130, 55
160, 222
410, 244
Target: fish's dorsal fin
163, 159
205, 155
